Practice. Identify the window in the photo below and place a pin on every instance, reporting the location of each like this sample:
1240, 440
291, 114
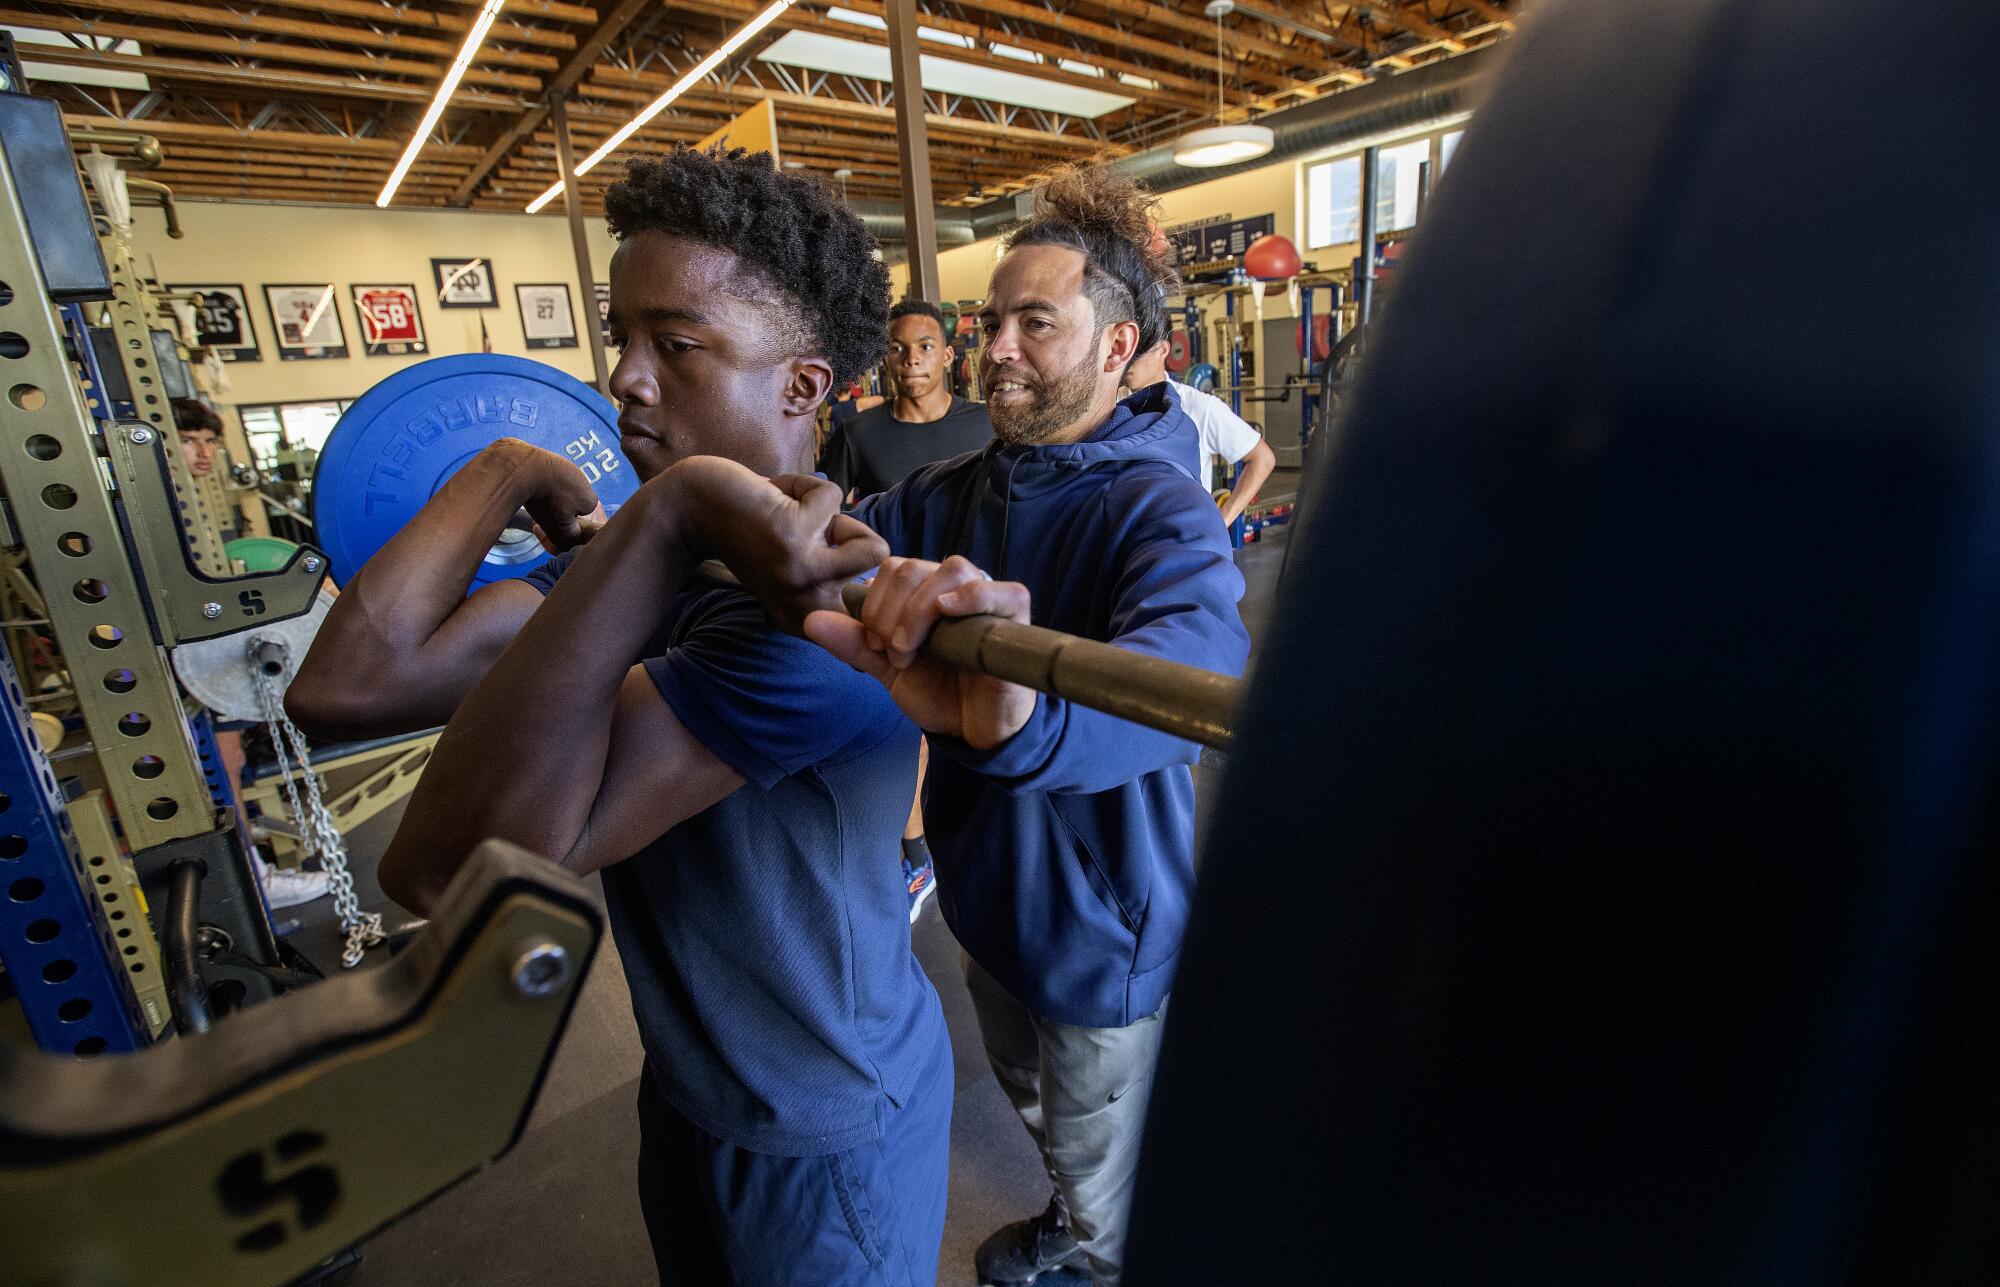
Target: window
1399, 180
295, 424
1333, 202
1333, 188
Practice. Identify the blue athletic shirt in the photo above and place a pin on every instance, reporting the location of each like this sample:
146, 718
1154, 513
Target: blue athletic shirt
767, 938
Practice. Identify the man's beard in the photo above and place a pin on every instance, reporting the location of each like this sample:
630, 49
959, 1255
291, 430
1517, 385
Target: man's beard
1053, 406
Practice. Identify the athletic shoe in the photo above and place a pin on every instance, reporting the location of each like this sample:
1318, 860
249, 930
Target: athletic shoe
1027, 1249
284, 888
921, 882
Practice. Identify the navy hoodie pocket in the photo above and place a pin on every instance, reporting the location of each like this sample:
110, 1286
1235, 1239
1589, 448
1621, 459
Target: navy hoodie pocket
1121, 886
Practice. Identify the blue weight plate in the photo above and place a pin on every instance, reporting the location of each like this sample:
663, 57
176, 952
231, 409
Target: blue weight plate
403, 438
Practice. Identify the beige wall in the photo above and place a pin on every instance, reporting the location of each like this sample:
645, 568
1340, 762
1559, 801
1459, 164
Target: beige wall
963, 271
254, 245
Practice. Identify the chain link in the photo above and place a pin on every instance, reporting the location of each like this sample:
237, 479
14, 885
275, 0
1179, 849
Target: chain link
315, 823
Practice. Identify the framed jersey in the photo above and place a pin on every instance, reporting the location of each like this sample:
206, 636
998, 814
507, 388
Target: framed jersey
306, 321
222, 316
391, 323
546, 319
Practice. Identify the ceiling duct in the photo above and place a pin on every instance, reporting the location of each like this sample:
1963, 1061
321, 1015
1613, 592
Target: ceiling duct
884, 220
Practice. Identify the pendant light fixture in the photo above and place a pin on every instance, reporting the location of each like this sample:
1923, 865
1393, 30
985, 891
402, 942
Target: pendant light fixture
1221, 144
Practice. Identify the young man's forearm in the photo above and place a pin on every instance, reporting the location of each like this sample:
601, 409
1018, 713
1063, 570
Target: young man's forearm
372, 669
1257, 467
525, 756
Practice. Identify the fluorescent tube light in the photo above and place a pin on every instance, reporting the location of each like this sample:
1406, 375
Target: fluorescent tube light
453, 74
693, 77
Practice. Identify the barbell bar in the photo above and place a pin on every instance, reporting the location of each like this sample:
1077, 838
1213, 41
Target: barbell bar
1174, 698
1168, 696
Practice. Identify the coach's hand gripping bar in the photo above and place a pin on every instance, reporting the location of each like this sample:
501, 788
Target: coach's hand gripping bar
1183, 700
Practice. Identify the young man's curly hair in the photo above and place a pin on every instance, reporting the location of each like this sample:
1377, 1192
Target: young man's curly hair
1112, 221
795, 236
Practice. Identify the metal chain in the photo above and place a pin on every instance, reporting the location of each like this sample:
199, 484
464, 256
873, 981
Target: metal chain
315, 823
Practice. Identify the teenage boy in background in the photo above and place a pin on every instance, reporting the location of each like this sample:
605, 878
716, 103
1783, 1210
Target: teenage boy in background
880, 447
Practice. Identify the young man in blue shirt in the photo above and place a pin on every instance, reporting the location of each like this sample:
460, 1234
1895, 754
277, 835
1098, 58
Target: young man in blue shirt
741, 790
1064, 838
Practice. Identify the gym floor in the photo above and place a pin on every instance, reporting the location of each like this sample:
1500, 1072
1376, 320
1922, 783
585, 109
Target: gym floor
561, 1207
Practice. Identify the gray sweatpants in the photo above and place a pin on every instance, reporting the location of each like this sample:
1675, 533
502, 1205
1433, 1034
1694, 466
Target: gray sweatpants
1082, 1094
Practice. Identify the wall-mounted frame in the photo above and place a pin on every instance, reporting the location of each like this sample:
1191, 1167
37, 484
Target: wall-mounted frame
464, 283
306, 321
602, 290
223, 318
391, 323
547, 320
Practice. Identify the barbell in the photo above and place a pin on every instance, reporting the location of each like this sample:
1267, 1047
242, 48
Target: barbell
1182, 700
1169, 696
399, 443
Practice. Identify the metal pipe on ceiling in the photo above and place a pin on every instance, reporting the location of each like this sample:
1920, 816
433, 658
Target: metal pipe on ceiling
884, 221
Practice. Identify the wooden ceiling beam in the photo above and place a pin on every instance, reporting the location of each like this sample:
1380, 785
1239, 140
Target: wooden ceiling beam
266, 79
565, 80
285, 140
536, 169
425, 18
153, 38
696, 109
264, 24
639, 81
376, 165
1493, 13
212, 185
279, 173
1397, 16
1247, 44
1108, 59
956, 166
807, 20
790, 146
553, 10
1113, 38
533, 183
360, 195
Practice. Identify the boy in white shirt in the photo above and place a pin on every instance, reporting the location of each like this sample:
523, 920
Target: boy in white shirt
1223, 432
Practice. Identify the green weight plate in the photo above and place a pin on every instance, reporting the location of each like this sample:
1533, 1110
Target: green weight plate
260, 553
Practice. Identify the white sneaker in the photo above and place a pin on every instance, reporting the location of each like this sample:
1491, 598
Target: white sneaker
284, 888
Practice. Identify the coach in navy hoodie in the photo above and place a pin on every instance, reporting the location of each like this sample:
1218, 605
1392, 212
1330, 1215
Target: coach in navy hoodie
1066, 852
1064, 838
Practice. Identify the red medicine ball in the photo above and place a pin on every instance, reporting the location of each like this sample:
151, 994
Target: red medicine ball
1271, 258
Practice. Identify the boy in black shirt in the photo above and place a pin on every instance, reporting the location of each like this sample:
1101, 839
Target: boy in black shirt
873, 451
879, 448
